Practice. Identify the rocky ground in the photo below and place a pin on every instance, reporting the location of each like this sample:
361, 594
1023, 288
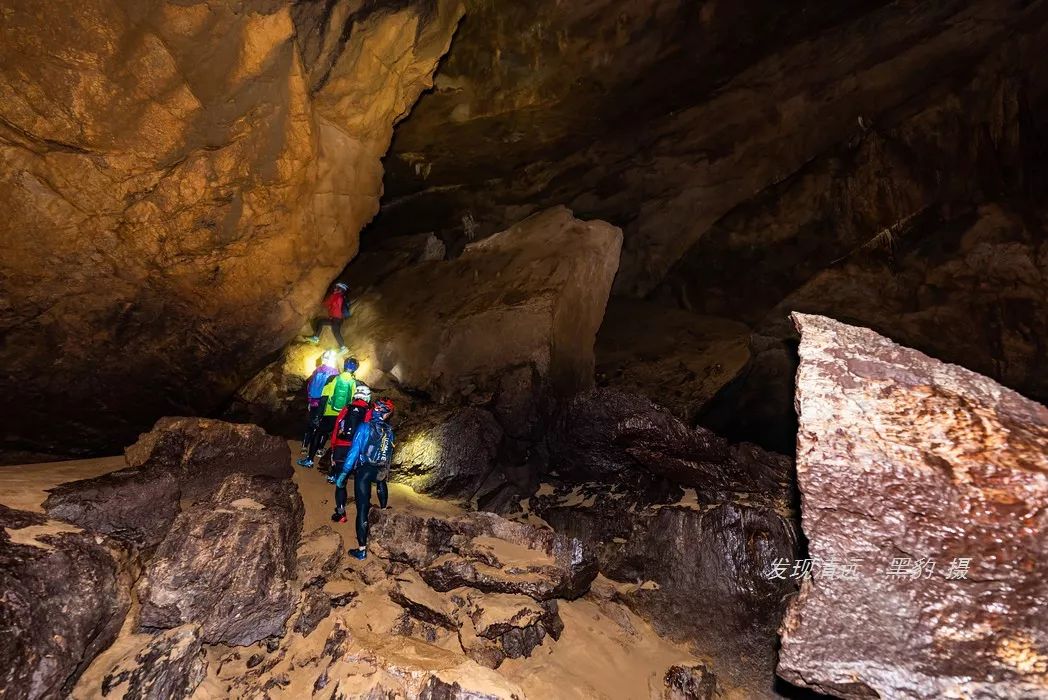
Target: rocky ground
232, 602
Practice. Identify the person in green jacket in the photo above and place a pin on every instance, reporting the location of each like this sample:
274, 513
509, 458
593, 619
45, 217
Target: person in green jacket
338, 391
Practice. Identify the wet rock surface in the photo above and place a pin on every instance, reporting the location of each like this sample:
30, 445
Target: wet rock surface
181, 458
319, 554
181, 194
931, 481
446, 453
488, 553
604, 433
509, 324
228, 563
65, 595
169, 666
690, 683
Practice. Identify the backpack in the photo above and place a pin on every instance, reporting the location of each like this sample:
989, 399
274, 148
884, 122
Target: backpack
346, 313
378, 451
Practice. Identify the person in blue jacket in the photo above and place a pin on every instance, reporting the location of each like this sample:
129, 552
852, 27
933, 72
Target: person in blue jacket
369, 460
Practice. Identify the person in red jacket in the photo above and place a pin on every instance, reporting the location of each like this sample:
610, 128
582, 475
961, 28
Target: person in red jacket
337, 306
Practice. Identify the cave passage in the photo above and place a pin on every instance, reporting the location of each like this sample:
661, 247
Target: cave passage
656, 350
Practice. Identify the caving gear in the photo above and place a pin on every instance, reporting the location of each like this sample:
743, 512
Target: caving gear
383, 409
336, 304
341, 285
360, 554
339, 516
314, 339
317, 380
351, 364
362, 393
338, 391
305, 463
346, 423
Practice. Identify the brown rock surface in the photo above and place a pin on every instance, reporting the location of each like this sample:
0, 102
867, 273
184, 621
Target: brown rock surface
180, 459
486, 552
531, 298
319, 555
65, 595
908, 467
169, 666
446, 452
228, 563
180, 183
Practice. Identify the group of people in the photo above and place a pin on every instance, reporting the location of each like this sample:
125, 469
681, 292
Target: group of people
341, 410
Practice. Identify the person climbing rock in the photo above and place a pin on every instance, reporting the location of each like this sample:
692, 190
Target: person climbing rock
346, 424
369, 460
335, 395
337, 307
314, 395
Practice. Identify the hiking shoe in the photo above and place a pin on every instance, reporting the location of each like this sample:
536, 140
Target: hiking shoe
305, 463
360, 554
304, 450
330, 479
343, 349
314, 339
338, 517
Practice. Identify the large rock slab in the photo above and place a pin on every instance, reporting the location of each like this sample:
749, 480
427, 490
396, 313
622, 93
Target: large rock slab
488, 553
65, 595
605, 432
181, 458
510, 322
228, 563
446, 453
932, 481
178, 200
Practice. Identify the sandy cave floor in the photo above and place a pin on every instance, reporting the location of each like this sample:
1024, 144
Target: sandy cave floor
606, 651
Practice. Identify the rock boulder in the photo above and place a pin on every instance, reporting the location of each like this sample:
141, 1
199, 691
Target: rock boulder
228, 563
181, 458
446, 453
65, 595
169, 666
488, 553
924, 489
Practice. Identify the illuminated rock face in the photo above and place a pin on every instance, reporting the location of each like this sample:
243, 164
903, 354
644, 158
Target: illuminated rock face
933, 480
180, 182
511, 323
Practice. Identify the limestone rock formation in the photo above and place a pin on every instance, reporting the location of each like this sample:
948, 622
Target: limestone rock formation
488, 553
169, 666
65, 595
679, 359
663, 547
227, 563
319, 555
181, 458
605, 432
136, 505
924, 487
180, 184
511, 321
690, 683
446, 453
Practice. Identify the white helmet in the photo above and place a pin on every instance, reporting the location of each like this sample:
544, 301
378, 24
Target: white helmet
363, 392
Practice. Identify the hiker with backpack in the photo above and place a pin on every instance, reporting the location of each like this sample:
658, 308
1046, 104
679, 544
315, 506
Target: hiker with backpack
314, 395
346, 424
337, 392
337, 307
369, 460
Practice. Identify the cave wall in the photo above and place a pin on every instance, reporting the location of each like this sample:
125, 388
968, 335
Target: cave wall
761, 158
180, 182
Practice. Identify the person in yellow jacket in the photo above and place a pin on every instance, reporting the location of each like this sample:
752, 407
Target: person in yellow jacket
335, 395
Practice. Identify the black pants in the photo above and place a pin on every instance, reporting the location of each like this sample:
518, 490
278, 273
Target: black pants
338, 456
315, 414
321, 434
363, 477
336, 328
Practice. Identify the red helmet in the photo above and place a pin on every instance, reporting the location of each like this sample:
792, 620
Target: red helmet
383, 409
